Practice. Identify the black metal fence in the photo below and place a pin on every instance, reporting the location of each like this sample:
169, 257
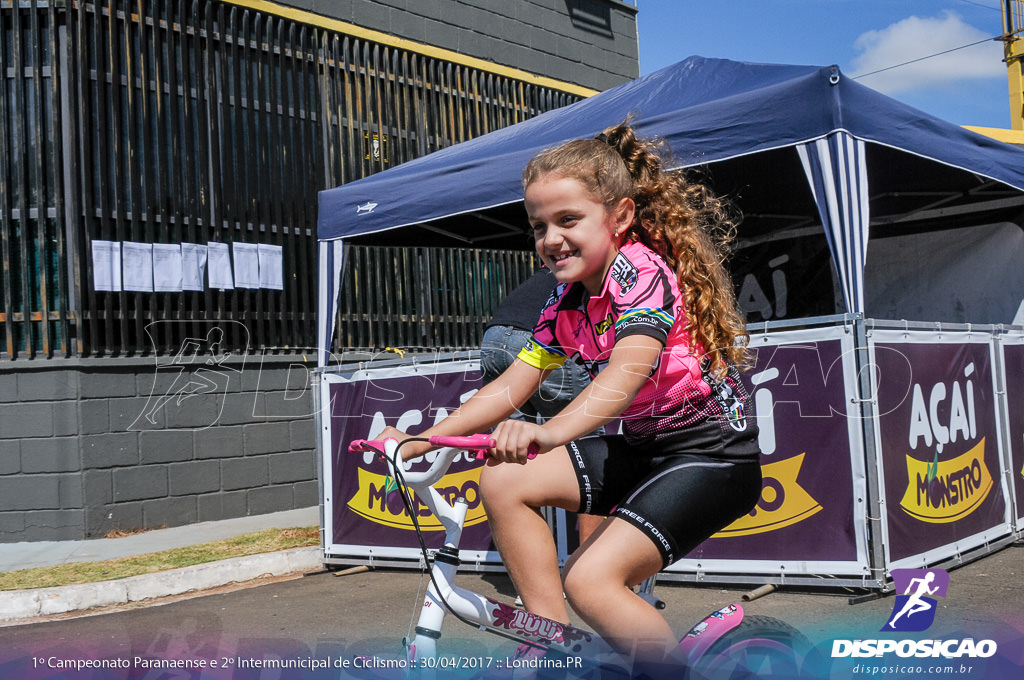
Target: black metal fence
437, 298
197, 121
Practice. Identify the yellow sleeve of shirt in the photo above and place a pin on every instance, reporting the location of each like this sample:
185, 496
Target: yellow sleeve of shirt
541, 356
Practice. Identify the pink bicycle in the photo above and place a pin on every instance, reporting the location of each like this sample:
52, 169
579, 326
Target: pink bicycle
725, 644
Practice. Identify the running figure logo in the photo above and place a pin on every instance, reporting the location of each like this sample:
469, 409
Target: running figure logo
914, 610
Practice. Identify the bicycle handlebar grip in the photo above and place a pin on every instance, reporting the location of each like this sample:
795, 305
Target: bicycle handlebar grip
358, 444
531, 453
473, 441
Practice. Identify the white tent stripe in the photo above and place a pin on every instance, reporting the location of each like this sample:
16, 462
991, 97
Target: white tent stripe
331, 262
837, 174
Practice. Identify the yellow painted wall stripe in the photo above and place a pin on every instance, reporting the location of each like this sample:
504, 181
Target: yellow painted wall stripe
339, 26
999, 134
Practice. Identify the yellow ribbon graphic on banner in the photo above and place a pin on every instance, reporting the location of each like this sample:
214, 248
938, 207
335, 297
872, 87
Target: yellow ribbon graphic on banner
783, 501
954, 489
373, 501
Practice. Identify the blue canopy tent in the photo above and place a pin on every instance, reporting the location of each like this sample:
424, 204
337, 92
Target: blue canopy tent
715, 112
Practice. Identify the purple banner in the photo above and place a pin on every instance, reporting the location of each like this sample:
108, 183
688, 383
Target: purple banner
365, 508
939, 444
806, 511
1013, 358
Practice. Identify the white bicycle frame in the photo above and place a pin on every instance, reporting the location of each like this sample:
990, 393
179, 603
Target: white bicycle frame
576, 647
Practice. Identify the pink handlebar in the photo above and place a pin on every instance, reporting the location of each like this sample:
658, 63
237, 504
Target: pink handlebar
361, 444
473, 441
479, 442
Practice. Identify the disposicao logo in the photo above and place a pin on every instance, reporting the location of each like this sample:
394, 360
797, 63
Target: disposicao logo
783, 501
914, 611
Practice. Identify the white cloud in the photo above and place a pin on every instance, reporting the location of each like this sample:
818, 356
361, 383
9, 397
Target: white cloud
916, 37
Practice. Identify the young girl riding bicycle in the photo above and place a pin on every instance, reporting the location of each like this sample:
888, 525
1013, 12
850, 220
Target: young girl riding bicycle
646, 305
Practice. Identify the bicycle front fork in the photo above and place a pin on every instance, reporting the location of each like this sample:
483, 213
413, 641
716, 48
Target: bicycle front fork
421, 651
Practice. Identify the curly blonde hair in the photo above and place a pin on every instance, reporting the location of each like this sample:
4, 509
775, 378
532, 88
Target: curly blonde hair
683, 221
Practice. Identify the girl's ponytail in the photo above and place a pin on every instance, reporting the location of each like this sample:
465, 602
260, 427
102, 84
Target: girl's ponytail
693, 229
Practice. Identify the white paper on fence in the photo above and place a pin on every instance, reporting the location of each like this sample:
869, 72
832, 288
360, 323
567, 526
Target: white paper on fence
247, 265
106, 266
167, 267
137, 266
193, 266
219, 266
271, 266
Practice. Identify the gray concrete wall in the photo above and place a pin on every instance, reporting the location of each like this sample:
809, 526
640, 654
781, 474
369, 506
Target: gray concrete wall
592, 43
91, 446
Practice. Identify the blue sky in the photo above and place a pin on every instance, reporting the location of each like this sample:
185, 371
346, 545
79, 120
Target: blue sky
966, 86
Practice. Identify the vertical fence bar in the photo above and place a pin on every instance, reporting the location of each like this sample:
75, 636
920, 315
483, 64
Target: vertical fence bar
249, 68
360, 96
305, 240
18, 206
296, 154
351, 139
197, 221
168, 136
134, 161
408, 275
450, 302
264, 213
238, 100
378, 124
174, 193
59, 173
21, 183
420, 99
142, 178
214, 95
195, 161
89, 329
7, 180
41, 250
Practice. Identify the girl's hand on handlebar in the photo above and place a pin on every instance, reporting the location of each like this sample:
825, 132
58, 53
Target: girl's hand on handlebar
408, 451
516, 441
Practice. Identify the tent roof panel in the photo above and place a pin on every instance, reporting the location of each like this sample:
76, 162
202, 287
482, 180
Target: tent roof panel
707, 110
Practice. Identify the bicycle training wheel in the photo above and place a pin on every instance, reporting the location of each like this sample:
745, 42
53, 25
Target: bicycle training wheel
760, 647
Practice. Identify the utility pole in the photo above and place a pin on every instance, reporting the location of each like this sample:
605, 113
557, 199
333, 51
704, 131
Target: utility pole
1013, 51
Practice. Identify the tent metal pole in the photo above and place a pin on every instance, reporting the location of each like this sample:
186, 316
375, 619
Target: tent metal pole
867, 406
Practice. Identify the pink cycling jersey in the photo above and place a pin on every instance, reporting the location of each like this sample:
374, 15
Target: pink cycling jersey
640, 296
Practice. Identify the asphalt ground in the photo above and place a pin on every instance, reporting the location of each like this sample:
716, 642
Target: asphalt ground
326, 618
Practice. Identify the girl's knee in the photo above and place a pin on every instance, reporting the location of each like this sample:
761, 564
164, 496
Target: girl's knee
490, 479
583, 577
499, 486
538, 483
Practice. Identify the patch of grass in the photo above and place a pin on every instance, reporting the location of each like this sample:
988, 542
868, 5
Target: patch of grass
268, 540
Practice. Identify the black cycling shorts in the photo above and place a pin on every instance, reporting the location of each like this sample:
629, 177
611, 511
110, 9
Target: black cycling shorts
676, 499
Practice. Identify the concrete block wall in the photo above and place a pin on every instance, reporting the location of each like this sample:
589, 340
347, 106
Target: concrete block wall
92, 446
592, 43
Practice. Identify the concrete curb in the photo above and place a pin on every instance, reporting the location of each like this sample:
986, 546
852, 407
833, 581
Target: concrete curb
26, 604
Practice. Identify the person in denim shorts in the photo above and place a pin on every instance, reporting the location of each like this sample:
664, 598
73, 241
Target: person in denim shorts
508, 332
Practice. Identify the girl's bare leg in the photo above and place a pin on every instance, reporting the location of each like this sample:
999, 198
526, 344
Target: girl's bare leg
512, 495
598, 582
